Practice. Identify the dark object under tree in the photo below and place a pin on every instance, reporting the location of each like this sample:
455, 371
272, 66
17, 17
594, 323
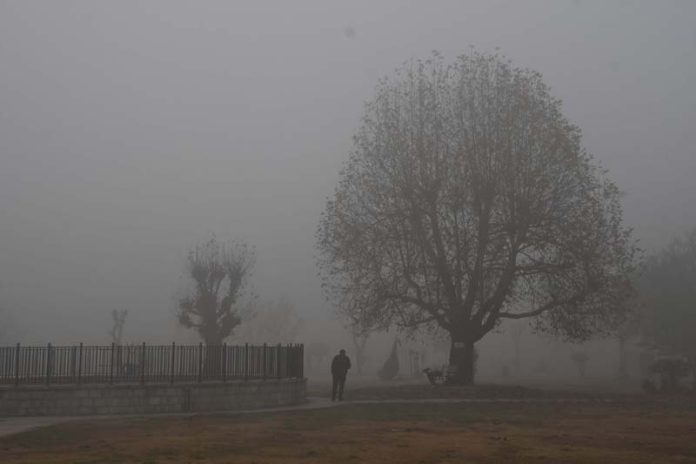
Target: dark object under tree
467, 197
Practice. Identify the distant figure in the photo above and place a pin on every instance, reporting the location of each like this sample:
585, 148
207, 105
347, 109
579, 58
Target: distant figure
339, 369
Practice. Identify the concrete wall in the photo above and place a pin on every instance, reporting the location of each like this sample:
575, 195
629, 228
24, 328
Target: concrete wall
76, 400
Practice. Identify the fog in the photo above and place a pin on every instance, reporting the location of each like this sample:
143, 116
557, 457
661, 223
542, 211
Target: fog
131, 130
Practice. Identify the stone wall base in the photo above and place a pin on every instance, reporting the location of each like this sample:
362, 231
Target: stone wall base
80, 400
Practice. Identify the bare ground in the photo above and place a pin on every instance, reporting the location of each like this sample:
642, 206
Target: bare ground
509, 432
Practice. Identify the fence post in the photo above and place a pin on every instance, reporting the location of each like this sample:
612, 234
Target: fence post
265, 364
298, 360
48, 364
79, 366
111, 367
290, 361
73, 361
200, 361
171, 368
17, 365
278, 360
224, 362
246, 362
142, 366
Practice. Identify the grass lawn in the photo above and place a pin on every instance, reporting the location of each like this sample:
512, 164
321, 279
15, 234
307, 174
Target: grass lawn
648, 432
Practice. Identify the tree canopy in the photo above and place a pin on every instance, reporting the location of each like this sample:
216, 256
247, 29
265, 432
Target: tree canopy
468, 199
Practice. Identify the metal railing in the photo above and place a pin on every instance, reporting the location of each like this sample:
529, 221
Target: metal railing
82, 364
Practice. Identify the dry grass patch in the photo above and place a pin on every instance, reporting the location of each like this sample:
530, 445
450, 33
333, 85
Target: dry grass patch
404, 433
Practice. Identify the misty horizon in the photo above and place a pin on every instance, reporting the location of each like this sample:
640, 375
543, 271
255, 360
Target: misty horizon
129, 131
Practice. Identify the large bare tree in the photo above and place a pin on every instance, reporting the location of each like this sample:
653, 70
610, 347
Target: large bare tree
468, 197
219, 274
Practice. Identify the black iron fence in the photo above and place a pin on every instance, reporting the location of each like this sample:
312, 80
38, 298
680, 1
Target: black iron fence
33, 365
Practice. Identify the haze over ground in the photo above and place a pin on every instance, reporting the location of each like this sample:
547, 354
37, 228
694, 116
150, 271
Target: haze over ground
131, 130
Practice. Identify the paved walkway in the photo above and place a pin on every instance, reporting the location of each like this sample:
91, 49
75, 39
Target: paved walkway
12, 425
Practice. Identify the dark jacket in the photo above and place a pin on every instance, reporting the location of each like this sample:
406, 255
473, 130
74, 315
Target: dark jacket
340, 365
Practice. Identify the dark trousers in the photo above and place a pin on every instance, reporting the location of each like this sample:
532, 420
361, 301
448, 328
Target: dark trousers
338, 382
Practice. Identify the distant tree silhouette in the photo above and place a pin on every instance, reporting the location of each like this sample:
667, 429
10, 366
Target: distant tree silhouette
667, 290
118, 318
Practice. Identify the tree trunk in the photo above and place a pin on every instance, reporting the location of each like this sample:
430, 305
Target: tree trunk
462, 361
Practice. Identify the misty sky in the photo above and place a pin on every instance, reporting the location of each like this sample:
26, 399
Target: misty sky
129, 130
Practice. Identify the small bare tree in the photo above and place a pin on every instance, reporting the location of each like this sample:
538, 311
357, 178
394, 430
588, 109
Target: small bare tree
467, 198
219, 273
118, 318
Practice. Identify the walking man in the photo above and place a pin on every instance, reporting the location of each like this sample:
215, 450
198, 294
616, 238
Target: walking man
339, 369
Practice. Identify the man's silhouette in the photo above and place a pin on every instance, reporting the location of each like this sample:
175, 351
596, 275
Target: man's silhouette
339, 369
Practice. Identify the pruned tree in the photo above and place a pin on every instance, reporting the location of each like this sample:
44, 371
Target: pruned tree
667, 289
466, 197
118, 321
219, 274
